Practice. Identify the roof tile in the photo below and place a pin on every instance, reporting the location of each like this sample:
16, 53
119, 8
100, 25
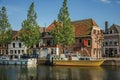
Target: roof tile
82, 27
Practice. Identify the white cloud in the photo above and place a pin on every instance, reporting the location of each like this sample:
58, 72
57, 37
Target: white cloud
105, 1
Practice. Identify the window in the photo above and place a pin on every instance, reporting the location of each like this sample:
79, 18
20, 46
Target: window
110, 43
106, 43
13, 45
16, 38
37, 45
20, 45
11, 51
89, 42
48, 42
15, 51
110, 31
115, 43
22, 51
115, 51
94, 31
18, 51
80, 40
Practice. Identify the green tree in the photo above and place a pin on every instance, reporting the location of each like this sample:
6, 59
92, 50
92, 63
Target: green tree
63, 32
5, 28
30, 33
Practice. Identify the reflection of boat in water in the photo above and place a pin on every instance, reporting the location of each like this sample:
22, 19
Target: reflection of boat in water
81, 73
17, 60
74, 60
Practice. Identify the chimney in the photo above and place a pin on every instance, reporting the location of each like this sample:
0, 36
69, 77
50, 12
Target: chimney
106, 26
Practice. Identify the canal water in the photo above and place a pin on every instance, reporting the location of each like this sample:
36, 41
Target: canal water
12, 72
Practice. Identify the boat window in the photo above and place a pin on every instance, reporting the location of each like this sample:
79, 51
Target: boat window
81, 59
74, 55
87, 59
84, 58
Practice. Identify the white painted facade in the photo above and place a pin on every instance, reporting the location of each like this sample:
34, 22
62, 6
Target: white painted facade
16, 47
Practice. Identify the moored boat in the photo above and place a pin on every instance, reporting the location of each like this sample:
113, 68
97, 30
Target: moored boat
74, 60
15, 59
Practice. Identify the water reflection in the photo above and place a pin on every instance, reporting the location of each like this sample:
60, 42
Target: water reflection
58, 73
77, 73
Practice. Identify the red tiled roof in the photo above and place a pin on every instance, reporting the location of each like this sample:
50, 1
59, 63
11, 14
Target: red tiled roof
50, 27
82, 27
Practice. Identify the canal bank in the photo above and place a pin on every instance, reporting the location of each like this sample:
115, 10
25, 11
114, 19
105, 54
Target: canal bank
111, 62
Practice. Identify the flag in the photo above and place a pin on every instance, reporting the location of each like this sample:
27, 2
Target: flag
85, 42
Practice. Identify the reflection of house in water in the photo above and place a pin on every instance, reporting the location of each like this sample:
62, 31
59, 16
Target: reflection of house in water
26, 73
20, 72
88, 38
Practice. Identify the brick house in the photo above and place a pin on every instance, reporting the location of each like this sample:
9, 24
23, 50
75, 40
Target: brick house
88, 38
111, 40
3, 49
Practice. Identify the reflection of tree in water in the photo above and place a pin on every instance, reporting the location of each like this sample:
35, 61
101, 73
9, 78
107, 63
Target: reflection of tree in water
58, 73
3, 75
78, 73
22, 73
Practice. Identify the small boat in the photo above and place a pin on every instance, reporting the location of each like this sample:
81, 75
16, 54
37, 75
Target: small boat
74, 60
16, 59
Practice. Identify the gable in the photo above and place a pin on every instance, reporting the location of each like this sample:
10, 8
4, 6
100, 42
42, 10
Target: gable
114, 29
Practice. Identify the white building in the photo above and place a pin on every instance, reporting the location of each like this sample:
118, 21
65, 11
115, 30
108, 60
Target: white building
16, 46
111, 45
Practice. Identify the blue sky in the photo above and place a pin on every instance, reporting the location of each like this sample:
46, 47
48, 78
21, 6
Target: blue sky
47, 11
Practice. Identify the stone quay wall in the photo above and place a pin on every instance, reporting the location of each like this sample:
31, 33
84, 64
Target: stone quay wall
111, 62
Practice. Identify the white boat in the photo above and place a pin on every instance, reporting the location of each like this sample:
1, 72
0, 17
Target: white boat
15, 59
74, 60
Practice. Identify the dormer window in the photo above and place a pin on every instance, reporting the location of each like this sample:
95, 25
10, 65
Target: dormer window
111, 31
16, 38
